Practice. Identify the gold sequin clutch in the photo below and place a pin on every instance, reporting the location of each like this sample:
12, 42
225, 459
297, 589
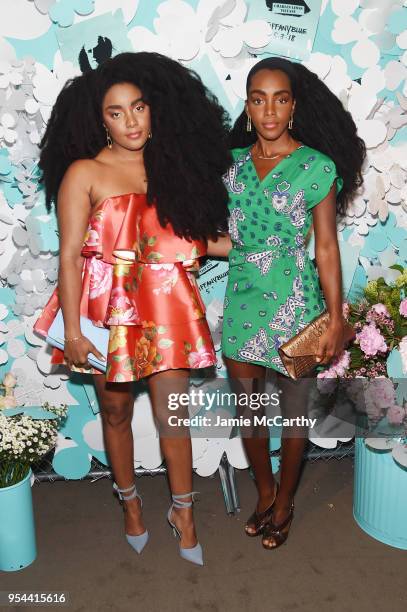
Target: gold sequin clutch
299, 353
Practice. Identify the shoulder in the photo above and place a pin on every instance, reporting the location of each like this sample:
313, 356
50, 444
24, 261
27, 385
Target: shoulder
240, 153
81, 170
318, 159
82, 175
320, 173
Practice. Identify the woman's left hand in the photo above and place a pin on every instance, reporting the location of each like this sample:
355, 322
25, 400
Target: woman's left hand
330, 344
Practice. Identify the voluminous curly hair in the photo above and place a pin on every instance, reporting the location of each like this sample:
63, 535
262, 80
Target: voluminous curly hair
320, 121
186, 157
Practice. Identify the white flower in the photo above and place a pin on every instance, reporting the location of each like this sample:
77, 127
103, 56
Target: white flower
23, 21
333, 70
184, 33
10, 74
7, 123
365, 53
47, 84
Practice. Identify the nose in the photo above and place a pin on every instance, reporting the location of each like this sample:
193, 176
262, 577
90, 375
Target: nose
270, 107
130, 119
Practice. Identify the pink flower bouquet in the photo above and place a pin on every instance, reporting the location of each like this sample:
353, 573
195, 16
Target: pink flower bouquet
380, 322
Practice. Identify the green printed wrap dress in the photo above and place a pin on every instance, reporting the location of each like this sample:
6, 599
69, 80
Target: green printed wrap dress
273, 288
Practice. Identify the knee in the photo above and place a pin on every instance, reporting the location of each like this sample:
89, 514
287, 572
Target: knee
117, 414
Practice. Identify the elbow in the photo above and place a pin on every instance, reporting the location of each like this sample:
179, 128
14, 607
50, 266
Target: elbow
327, 253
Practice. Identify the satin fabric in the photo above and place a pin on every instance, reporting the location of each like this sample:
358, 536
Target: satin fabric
138, 281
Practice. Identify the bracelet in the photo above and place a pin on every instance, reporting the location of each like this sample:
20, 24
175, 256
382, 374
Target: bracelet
73, 339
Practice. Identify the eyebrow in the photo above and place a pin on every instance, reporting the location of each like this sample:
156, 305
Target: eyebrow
119, 107
276, 93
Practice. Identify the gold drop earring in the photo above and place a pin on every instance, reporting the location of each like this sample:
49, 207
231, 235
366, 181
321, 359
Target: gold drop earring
108, 138
249, 124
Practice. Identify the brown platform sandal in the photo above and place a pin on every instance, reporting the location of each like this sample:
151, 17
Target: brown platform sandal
258, 520
277, 533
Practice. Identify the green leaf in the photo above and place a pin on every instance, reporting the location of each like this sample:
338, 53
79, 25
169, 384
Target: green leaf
194, 252
161, 329
180, 256
152, 240
188, 346
165, 343
397, 267
119, 358
154, 256
128, 364
199, 343
119, 378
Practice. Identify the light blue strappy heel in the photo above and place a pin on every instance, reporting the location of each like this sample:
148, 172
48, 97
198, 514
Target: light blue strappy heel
194, 554
137, 542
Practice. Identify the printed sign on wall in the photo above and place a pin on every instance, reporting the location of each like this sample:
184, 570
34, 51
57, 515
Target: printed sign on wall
91, 42
293, 25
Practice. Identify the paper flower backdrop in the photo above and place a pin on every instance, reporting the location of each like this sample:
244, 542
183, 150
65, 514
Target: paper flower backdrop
361, 54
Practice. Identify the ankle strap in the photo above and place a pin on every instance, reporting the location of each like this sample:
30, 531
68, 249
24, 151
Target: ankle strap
176, 499
132, 495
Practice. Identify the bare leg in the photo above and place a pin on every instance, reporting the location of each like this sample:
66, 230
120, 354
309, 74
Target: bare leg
293, 402
175, 445
116, 408
243, 378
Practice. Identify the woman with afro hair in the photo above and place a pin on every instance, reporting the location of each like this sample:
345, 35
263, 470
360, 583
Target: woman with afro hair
297, 165
133, 157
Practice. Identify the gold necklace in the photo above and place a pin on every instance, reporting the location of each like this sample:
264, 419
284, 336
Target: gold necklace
264, 157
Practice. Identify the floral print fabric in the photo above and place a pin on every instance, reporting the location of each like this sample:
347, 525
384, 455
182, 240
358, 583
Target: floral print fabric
138, 281
273, 289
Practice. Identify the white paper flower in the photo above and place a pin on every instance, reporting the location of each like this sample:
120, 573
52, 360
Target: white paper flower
128, 7
365, 53
395, 72
23, 21
183, 33
255, 34
47, 84
10, 74
344, 7
12, 344
178, 32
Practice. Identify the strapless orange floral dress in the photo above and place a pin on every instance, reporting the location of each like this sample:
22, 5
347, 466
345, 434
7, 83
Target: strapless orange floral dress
138, 281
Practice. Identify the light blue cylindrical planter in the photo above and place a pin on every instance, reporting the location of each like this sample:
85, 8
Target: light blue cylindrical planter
380, 495
17, 529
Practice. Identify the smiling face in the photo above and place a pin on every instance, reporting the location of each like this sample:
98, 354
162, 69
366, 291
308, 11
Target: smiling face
126, 116
270, 103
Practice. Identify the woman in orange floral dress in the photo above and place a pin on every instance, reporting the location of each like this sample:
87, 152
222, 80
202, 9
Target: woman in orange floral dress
133, 155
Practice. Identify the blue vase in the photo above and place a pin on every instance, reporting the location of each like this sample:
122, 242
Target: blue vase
380, 495
17, 529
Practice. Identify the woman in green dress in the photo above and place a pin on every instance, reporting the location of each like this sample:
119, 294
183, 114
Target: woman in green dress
297, 164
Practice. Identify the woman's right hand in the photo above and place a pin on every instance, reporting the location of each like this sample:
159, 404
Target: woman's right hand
76, 353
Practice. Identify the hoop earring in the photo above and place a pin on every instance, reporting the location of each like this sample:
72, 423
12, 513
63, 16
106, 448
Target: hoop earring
249, 124
108, 138
290, 123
